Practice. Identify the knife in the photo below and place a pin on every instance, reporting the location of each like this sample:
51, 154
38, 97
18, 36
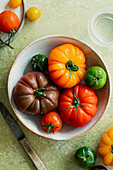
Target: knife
21, 138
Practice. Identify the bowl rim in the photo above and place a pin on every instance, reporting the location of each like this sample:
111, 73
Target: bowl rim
60, 36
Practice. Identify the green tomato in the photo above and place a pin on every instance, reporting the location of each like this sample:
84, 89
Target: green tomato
85, 157
99, 167
95, 77
39, 62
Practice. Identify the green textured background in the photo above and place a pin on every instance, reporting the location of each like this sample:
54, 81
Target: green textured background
64, 17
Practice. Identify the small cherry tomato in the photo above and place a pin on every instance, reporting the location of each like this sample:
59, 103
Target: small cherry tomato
85, 157
39, 62
8, 21
51, 122
95, 77
15, 3
33, 13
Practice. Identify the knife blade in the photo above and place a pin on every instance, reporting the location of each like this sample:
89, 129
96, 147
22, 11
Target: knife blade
21, 138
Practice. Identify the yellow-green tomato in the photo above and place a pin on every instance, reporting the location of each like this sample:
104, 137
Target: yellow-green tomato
33, 13
95, 77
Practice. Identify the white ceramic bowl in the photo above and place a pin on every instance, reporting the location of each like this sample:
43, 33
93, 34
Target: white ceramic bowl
21, 66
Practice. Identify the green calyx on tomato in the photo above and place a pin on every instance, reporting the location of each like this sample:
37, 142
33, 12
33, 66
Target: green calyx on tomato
50, 127
95, 77
85, 157
71, 67
51, 122
98, 167
39, 93
39, 62
76, 102
112, 148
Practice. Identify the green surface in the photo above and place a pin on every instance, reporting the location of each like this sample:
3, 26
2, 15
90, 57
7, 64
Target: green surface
70, 18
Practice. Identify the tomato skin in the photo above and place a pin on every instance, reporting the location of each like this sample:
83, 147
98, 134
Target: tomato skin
8, 21
62, 62
33, 13
85, 157
54, 118
15, 3
35, 93
105, 148
39, 62
95, 77
85, 104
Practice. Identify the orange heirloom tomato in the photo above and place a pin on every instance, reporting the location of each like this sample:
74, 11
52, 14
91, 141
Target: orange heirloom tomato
66, 65
105, 148
15, 3
8, 21
78, 105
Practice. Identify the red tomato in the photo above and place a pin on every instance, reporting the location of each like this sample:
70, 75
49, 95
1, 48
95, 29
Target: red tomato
51, 122
77, 105
8, 21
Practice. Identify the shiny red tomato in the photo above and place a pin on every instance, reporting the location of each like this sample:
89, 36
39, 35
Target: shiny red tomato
77, 106
8, 21
51, 122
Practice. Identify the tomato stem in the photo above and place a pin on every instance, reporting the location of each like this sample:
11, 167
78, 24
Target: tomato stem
71, 67
112, 149
39, 62
39, 93
50, 127
8, 44
95, 78
10, 35
75, 102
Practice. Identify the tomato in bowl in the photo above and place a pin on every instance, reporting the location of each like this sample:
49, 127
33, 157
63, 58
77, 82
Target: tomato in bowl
44, 46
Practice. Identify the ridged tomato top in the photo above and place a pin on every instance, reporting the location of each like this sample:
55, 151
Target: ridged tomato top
77, 105
106, 147
61, 65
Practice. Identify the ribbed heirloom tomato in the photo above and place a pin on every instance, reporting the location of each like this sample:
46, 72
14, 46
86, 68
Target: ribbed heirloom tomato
8, 21
34, 93
77, 106
66, 65
105, 148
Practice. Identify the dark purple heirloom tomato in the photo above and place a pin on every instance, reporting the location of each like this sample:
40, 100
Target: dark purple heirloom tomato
34, 93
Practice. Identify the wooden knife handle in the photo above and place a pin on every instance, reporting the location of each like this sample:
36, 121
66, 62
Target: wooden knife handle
32, 154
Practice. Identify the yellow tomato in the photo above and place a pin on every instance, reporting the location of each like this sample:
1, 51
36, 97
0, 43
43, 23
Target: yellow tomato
15, 3
33, 13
